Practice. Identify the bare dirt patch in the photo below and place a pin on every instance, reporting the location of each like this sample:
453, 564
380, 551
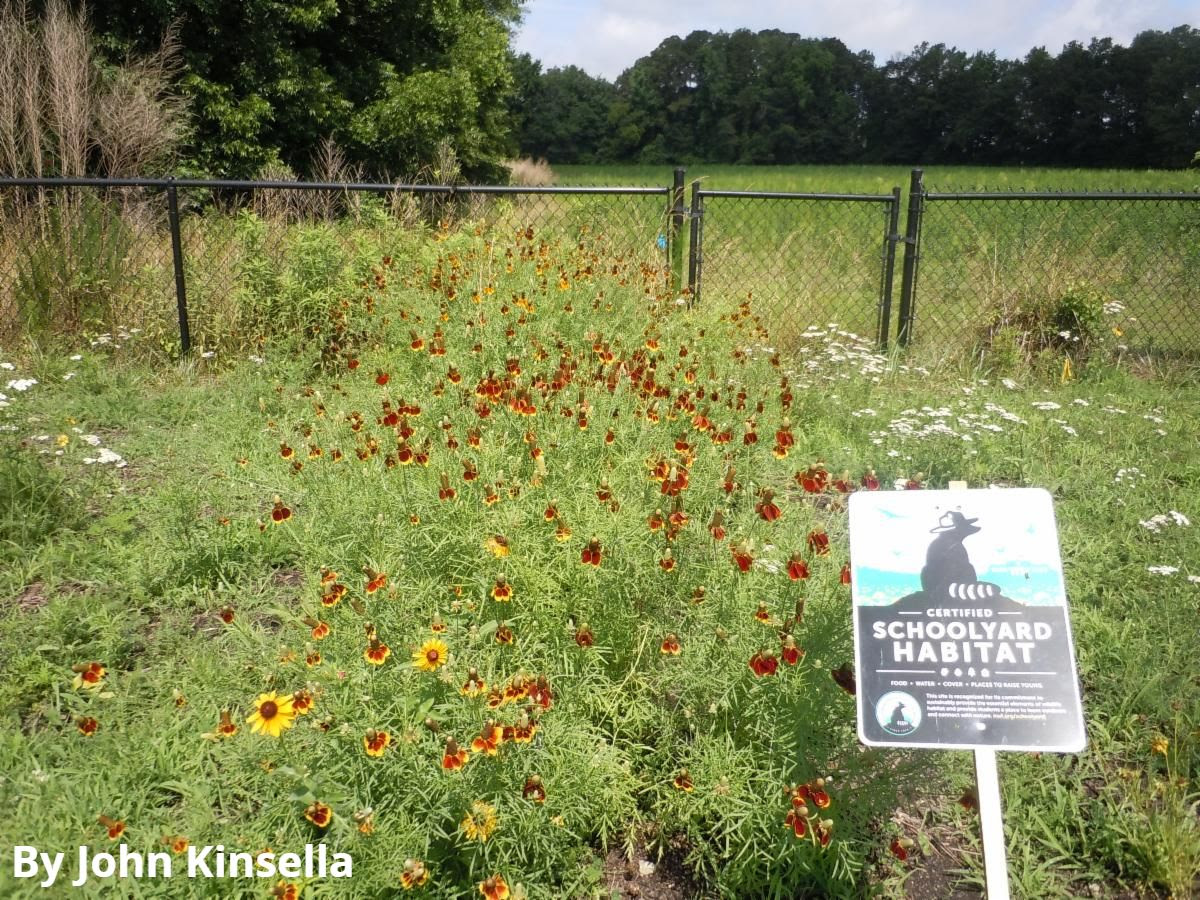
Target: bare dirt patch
646, 879
33, 598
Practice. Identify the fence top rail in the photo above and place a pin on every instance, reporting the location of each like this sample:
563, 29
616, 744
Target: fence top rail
784, 195
361, 187
1060, 195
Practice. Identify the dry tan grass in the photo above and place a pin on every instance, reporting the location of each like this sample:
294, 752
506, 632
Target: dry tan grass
62, 113
527, 172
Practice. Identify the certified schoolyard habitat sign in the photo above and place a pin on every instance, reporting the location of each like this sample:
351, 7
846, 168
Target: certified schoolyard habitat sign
961, 635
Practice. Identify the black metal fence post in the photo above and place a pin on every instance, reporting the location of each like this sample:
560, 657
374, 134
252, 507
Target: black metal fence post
912, 241
185, 332
889, 268
695, 248
675, 232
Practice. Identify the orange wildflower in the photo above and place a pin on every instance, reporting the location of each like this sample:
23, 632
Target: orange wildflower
319, 814
115, 827
670, 645
454, 757
489, 739
414, 875
376, 742
377, 652
495, 887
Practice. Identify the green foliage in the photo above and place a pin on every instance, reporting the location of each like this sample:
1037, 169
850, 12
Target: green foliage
74, 266
1042, 329
771, 97
385, 80
36, 501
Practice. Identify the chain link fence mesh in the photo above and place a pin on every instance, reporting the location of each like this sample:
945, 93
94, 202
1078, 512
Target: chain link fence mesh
260, 258
261, 261
1127, 264
802, 260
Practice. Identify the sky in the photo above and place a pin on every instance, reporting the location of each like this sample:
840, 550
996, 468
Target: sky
605, 37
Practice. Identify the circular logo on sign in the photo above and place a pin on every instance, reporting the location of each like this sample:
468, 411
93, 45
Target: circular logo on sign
898, 713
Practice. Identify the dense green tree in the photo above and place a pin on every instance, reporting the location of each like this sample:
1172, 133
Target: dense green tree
561, 114
386, 79
774, 97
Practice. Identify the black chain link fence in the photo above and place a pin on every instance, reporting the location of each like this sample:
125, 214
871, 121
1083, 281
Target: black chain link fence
1122, 265
262, 259
803, 259
256, 259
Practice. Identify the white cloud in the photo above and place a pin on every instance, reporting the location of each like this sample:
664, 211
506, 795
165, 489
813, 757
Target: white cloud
605, 38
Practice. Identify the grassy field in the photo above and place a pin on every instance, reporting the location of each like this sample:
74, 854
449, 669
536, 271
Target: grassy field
881, 179
981, 262
263, 598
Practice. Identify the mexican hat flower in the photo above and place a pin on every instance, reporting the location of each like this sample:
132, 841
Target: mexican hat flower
319, 814
763, 663
534, 789
273, 714
88, 675
414, 875
376, 742
494, 888
454, 757
226, 728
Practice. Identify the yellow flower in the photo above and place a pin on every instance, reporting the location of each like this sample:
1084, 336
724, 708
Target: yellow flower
62, 440
480, 822
431, 655
273, 714
1159, 745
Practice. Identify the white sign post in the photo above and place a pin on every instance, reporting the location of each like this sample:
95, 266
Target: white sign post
961, 633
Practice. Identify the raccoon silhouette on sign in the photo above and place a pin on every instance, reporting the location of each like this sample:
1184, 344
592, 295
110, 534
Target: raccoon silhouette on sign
948, 573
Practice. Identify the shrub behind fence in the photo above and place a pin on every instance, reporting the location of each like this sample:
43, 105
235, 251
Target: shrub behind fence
216, 264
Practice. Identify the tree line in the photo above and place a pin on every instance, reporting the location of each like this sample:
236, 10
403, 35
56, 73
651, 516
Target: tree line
771, 97
241, 88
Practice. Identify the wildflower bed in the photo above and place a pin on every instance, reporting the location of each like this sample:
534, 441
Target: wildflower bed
517, 559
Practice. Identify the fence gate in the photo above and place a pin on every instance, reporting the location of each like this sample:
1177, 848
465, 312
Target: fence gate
805, 258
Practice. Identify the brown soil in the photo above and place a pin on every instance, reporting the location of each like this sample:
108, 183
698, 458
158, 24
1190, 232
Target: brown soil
645, 879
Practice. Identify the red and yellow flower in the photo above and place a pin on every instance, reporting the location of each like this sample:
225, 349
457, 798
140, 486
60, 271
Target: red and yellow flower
454, 757
591, 554
683, 781
495, 887
376, 742
670, 645
225, 727
377, 651
319, 814
115, 827
489, 740
501, 590
88, 675
534, 789
764, 663
414, 875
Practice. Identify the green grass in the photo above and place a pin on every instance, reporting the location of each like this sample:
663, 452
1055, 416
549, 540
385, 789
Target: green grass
881, 179
135, 567
808, 259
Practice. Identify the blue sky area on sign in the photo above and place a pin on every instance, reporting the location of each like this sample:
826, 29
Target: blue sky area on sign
1032, 584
